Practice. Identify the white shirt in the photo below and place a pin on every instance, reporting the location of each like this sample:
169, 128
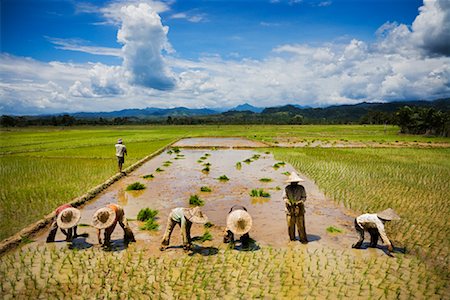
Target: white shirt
120, 150
372, 221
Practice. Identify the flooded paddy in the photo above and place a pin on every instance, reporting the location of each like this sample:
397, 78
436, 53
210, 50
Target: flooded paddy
180, 175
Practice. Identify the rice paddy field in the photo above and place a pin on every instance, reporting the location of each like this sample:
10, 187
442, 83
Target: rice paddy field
41, 168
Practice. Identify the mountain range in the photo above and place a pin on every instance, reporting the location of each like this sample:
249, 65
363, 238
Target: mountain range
340, 111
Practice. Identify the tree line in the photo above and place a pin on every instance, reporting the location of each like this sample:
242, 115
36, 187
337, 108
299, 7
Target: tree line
410, 119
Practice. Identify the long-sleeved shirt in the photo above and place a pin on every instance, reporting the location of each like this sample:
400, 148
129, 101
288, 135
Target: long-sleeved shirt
294, 195
120, 150
372, 221
177, 215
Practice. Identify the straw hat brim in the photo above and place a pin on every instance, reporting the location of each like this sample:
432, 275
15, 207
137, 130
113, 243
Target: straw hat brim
294, 178
99, 224
388, 214
239, 221
195, 215
63, 224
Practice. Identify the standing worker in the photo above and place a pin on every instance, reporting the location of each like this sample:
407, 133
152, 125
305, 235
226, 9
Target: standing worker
374, 224
121, 151
294, 197
183, 217
66, 218
240, 222
106, 218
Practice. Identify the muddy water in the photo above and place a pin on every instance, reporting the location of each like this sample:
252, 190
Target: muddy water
183, 177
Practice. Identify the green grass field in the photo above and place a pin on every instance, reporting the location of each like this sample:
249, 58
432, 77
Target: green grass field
41, 168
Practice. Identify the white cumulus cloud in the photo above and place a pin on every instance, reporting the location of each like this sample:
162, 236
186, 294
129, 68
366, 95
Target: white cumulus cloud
145, 38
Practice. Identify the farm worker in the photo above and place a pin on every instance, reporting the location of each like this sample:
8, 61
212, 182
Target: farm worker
183, 217
240, 222
66, 218
121, 151
106, 218
294, 197
374, 224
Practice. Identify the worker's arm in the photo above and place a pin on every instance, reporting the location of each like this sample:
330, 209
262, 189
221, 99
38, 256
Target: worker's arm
383, 235
286, 199
303, 193
98, 236
183, 230
125, 150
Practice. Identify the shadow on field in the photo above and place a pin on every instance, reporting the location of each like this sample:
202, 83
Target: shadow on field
116, 245
80, 243
312, 238
239, 246
402, 250
204, 251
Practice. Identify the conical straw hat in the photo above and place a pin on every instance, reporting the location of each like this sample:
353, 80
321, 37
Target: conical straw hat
68, 218
388, 214
239, 221
294, 178
103, 218
195, 215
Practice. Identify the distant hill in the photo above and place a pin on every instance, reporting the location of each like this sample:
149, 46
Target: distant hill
146, 112
247, 107
351, 113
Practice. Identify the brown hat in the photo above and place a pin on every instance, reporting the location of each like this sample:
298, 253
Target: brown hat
68, 218
103, 218
239, 221
195, 215
388, 214
294, 178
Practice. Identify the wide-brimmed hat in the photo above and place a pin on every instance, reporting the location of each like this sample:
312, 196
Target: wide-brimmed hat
239, 221
103, 218
388, 214
68, 218
195, 215
119, 141
294, 178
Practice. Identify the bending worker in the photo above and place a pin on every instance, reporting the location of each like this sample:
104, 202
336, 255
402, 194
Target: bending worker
184, 217
66, 218
106, 218
240, 222
374, 224
294, 197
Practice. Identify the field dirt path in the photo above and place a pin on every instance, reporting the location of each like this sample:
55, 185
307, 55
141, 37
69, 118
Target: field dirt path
183, 177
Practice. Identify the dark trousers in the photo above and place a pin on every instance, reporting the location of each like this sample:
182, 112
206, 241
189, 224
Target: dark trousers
69, 233
374, 236
299, 221
229, 238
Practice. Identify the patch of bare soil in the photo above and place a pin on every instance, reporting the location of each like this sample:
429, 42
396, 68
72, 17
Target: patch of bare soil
184, 177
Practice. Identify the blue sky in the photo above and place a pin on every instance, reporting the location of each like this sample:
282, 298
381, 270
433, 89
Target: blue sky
107, 55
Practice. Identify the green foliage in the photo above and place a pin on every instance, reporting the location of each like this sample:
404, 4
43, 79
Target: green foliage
195, 200
176, 150
150, 225
205, 189
286, 173
25, 240
332, 229
148, 176
238, 165
259, 193
146, 214
265, 179
207, 236
159, 170
205, 170
421, 120
135, 186
248, 160
223, 178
